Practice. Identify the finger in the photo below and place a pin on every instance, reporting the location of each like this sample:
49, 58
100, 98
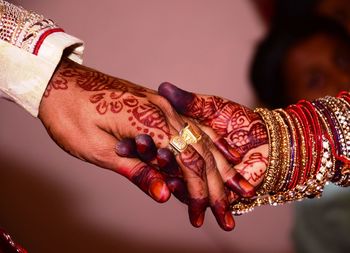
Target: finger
145, 147
146, 177
201, 108
218, 200
193, 169
181, 100
178, 187
233, 180
208, 171
126, 148
167, 162
231, 154
165, 159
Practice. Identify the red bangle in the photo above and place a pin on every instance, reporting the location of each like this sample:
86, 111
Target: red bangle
314, 119
310, 141
297, 121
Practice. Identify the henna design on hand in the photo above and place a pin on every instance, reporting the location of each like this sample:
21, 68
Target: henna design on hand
58, 83
194, 162
239, 126
254, 167
151, 116
110, 94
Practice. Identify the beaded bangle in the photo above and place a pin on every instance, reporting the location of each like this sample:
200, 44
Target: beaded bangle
304, 136
329, 137
285, 151
271, 176
315, 120
313, 187
294, 147
301, 150
310, 144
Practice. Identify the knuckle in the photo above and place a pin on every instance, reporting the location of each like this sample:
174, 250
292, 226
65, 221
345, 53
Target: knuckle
99, 156
227, 172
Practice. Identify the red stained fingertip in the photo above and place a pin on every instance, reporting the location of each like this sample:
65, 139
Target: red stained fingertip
231, 154
241, 186
198, 221
229, 221
159, 191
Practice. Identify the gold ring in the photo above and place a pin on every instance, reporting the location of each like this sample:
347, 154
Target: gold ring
190, 135
178, 144
187, 136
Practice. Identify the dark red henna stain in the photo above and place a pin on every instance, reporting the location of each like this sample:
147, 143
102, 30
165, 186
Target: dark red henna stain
194, 162
253, 161
230, 153
145, 147
151, 116
109, 94
239, 185
185, 98
239, 126
196, 211
223, 215
97, 97
126, 148
167, 163
177, 186
151, 182
58, 83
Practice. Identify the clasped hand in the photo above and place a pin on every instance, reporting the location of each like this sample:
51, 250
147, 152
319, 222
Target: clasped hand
126, 128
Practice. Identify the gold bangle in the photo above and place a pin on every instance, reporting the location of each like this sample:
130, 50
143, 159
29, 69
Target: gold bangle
272, 171
293, 155
285, 151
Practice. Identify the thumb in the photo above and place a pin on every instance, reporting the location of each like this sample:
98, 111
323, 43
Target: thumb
180, 99
202, 108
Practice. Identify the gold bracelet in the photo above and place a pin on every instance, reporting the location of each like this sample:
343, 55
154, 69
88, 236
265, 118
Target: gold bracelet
285, 151
272, 172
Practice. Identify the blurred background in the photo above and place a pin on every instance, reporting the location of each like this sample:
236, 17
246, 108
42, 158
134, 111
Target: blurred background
52, 202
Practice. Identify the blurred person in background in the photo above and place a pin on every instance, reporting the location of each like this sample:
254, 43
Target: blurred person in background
306, 58
273, 12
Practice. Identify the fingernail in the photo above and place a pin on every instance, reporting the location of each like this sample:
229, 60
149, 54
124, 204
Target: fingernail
229, 221
199, 221
248, 189
126, 148
241, 186
159, 191
179, 98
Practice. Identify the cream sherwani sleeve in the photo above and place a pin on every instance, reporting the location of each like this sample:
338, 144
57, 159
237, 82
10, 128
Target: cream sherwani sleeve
31, 47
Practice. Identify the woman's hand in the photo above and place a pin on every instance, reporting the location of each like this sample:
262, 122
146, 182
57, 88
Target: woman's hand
237, 131
86, 112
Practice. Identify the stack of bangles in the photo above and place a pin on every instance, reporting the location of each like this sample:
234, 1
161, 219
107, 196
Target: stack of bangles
309, 146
